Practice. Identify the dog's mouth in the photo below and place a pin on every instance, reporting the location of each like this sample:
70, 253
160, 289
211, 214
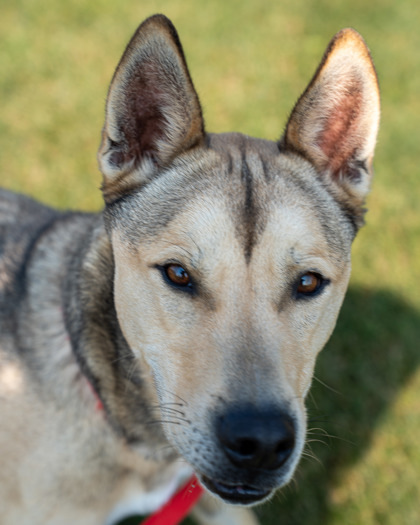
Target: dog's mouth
236, 494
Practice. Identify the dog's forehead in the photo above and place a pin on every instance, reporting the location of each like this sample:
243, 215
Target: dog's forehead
235, 188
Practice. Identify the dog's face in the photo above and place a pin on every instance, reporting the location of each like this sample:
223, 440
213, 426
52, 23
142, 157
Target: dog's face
232, 254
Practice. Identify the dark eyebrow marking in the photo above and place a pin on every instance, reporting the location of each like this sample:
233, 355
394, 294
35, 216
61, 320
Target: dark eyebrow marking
249, 214
230, 163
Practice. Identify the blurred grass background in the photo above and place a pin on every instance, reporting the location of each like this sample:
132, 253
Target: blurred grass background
250, 60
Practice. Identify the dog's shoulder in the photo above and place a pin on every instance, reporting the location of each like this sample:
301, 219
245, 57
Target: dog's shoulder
21, 221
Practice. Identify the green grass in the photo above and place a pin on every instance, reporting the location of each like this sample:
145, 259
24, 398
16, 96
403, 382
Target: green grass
250, 60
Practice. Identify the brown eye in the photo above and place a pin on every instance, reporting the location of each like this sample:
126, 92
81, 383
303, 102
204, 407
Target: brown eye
309, 283
177, 275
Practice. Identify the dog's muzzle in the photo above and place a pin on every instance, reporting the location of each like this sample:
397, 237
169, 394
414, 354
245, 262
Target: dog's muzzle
257, 444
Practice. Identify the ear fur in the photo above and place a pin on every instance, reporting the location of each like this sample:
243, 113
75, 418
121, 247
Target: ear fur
335, 122
152, 113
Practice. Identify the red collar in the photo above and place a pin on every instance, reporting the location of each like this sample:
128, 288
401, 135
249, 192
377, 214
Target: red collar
179, 506
99, 406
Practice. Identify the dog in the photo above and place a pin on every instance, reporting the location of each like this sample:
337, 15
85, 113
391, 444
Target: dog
176, 332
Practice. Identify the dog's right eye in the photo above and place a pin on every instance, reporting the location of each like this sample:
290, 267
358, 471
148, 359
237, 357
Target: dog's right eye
177, 276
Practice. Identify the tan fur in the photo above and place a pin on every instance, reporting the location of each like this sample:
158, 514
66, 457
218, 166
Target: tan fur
88, 312
193, 344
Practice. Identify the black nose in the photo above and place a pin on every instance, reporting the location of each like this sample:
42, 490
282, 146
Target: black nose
253, 438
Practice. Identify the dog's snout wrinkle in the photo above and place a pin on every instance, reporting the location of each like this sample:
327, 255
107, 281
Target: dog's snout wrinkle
256, 439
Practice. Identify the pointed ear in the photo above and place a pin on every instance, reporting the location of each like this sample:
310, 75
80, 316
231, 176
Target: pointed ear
152, 113
335, 122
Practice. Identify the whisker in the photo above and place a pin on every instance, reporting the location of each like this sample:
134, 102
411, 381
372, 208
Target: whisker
177, 396
313, 400
130, 374
328, 387
167, 409
161, 422
317, 441
322, 432
308, 453
311, 456
167, 404
128, 355
314, 430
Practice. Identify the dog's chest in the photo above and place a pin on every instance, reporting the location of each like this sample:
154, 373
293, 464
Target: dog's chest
81, 461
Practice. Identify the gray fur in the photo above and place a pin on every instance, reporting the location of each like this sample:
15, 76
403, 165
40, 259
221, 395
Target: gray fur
112, 380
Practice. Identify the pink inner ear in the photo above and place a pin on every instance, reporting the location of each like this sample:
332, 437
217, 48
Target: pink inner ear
143, 120
340, 134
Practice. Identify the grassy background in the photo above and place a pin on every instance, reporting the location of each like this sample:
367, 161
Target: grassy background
250, 60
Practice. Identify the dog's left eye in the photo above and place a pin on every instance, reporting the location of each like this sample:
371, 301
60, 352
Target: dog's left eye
310, 284
177, 275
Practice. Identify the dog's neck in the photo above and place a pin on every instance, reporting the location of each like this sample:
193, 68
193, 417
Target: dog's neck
123, 384
69, 292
